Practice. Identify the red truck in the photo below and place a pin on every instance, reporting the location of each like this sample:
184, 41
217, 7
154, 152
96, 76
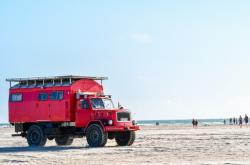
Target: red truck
67, 107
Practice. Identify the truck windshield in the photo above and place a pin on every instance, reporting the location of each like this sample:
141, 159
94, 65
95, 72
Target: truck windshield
102, 103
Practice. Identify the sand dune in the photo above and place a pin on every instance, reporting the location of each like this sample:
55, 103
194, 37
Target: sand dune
154, 145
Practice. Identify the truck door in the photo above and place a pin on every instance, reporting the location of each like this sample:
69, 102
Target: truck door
57, 105
83, 113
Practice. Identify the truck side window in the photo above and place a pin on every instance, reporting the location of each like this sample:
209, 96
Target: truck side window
43, 96
16, 97
85, 104
60, 95
56, 95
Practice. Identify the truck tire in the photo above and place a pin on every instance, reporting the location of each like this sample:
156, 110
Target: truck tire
64, 140
36, 136
95, 135
125, 138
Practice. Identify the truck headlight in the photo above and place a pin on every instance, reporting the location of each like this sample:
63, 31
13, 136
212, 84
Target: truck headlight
110, 122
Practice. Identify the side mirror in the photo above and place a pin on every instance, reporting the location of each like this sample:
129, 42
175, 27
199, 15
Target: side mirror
78, 96
119, 106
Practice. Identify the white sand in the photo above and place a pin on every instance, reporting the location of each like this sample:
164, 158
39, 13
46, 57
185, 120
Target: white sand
154, 145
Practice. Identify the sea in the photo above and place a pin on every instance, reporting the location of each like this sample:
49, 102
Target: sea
204, 122
184, 122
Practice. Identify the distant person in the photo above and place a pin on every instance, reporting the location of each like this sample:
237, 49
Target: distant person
224, 122
240, 121
246, 119
230, 121
234, 121
157, 123
195, 123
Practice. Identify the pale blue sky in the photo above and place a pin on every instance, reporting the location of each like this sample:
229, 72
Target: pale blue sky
164, 59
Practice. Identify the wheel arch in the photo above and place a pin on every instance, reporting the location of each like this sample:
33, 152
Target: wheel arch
95, 122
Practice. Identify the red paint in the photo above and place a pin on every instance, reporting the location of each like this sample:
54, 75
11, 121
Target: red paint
68, 109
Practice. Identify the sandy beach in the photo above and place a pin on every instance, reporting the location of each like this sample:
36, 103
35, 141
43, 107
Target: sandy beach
154, 145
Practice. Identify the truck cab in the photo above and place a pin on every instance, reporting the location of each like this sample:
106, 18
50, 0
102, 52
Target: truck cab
100, 110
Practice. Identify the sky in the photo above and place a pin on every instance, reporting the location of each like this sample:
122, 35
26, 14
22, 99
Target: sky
164, 59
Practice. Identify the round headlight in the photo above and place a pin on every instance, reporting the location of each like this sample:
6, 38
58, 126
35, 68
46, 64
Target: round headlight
110, 122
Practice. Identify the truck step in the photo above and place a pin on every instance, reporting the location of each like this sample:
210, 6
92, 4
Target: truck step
18, 135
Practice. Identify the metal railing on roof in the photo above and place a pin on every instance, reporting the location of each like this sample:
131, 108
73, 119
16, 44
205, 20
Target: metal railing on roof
69, 78
56, 78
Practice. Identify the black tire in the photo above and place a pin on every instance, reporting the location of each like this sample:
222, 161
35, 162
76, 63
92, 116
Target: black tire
104, 142
64, 140
36, 136
96, 137
125, 138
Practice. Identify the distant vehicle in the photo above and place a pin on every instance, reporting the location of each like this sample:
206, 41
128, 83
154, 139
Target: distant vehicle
67, 107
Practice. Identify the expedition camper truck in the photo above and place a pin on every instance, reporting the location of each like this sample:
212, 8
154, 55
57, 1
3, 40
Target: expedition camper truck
67, 107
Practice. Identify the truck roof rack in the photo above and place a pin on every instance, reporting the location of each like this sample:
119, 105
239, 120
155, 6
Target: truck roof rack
33, 81
73, 77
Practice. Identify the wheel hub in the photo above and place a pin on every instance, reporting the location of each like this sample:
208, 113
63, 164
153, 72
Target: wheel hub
34, 137
94, 135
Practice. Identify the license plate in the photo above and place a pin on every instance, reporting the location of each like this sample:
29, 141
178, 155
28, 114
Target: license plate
124, 119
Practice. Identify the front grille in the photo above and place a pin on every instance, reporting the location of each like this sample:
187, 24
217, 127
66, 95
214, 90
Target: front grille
123, 116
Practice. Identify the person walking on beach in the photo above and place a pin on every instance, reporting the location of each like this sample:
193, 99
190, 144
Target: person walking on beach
246, 119
195, 123
234, 121
230, 121
157, 123
240, 121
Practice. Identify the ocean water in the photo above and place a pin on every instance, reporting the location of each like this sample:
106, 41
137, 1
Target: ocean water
182, 122
2, 125
168, 122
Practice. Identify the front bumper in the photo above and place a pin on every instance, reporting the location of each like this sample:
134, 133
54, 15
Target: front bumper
121, 128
